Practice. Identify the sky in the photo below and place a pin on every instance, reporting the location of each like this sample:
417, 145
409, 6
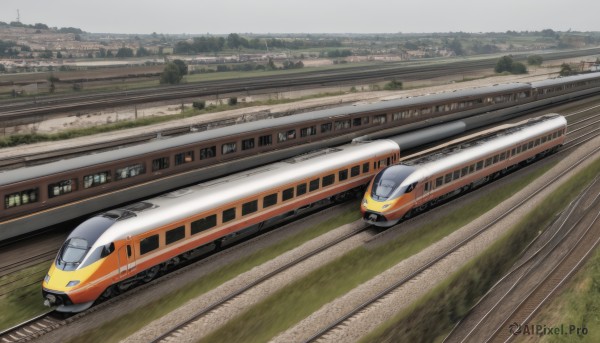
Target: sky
306, 16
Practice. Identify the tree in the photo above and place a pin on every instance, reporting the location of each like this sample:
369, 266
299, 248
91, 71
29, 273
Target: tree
171, 74
102, 53
2, 68
518, 68
565, 70
456, 46
535, 60
59, 54
183, 68
393, 85
109, 53
124, 52
503, 64
141, 52
46, 54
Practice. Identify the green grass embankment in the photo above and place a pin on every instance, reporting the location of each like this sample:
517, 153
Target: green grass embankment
21, 295
125, 325
295, 302
434, 315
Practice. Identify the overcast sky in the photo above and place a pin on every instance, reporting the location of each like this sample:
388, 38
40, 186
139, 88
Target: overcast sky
310, 16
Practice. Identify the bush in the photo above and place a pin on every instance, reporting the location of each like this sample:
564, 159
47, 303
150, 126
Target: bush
232, 101
503, 64
535, 60
393, 85
565, 70
518, 68
200, 104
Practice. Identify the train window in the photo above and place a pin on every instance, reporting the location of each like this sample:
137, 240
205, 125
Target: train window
388, 160
426, 110
513, 152
343, 175
62, 187
249, 207
248, 144
228, 215
269, 200
524, 147
502, 156
365, 120
148, 244
287, 194
265, 140
530, 145
328, 180
554, 135
184, 157
308, 131
96, 179
21, 198
326, 127
342, 124
560, 133
313, 185
543, 139
518, 149
356, 121
160, 163
537, 142
456, 175
301, 189
204, 224
208, 152
175, 235
128, 250
131, 171
228, 148
471, 168
479, 165
488, 162
448, 178
496, 158
464, 172
355, 171
380, 119
287, 135
427, 186
439, 181
365, 167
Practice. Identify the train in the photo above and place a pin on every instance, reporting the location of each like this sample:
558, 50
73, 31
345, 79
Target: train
39, 196
402, 190
110, 252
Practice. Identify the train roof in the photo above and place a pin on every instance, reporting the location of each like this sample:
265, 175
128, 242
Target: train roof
184, 203
567, 79
27, 173
458, 157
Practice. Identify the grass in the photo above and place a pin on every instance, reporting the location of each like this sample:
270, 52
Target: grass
19, 139
578, 304
125, 325
21, 297
295, 302
434, 315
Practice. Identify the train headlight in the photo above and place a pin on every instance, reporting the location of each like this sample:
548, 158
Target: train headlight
73, 283
385, 206
47, 278
365, 202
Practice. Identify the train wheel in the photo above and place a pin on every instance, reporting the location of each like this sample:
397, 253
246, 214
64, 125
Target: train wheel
151, 274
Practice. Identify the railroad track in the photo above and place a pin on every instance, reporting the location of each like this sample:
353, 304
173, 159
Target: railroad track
175, 332
501, 298
320, 78
32, 328
345, 320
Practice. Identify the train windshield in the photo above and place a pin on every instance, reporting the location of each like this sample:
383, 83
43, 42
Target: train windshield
388, 183
72, 253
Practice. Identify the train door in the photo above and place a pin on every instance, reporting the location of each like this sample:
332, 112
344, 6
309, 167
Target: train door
422, 193
126, 261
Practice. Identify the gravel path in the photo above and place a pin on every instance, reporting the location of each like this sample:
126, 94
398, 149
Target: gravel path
375, 315
221, 315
